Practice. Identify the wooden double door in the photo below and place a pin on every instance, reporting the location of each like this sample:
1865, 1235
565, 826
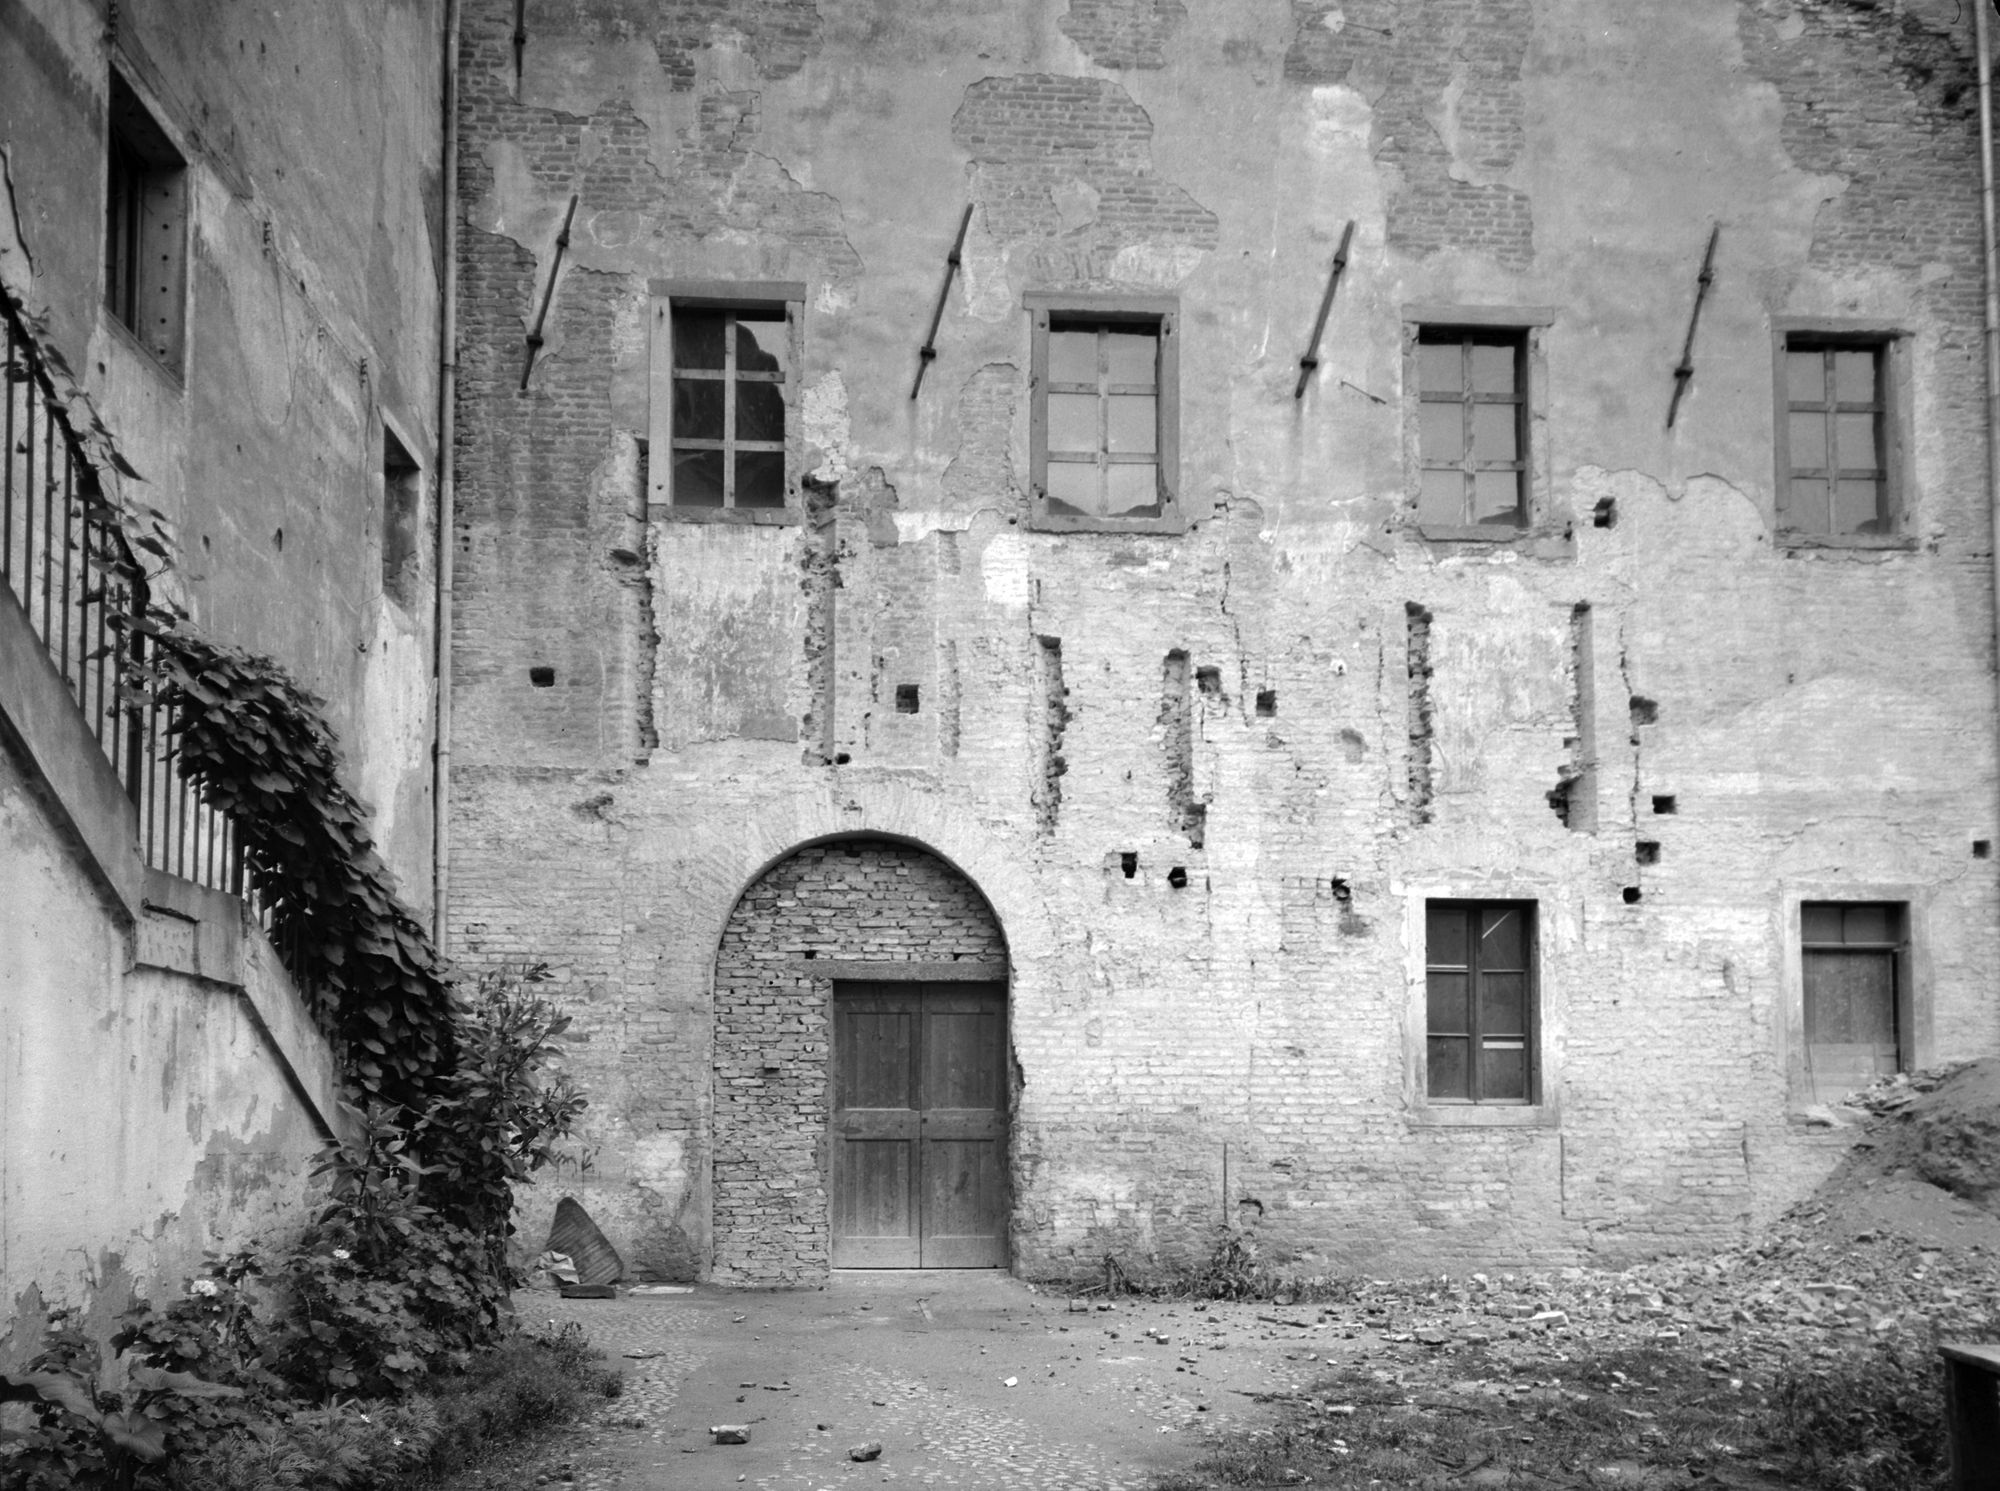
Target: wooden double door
919, 1117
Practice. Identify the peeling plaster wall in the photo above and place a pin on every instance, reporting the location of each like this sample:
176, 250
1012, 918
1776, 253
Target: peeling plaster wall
151, 1111
147, 1118
314, 269
1825, 719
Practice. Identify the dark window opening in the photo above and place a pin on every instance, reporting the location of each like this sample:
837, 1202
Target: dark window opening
402, 521
1836, 437
730, 374
1472, 433
145, 226
1480, 1001
1853, 956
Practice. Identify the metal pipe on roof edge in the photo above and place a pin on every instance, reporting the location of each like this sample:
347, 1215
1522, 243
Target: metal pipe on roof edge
1981, 26
446, 488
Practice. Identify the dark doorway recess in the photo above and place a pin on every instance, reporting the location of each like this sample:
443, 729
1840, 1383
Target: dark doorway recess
919, 1125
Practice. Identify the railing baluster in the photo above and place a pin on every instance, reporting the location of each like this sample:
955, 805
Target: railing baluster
7, 496
48, 521
26, 588
68, 565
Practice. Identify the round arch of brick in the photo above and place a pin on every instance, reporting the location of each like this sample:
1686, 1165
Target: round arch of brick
863, 890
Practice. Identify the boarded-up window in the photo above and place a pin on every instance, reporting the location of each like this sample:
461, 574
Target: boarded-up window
1853, 958
1480, 997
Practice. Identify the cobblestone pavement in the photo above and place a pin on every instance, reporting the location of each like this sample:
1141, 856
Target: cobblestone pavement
969, 1381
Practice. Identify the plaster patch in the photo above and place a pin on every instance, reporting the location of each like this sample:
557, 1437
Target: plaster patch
1340, 117
823, 418
1164, 265
913, 526
659, 1160
1004, 567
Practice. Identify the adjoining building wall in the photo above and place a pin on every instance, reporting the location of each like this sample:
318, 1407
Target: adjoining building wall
1210, 779
165, 1092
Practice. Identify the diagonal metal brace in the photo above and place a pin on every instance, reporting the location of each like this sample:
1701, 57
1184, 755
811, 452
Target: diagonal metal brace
548, 293
1684, 369
927, 353
1309, 363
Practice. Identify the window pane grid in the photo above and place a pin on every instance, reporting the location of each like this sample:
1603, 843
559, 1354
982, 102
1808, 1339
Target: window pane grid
1472, 440
720, 467
1479, 1002
1088, 444
1836, 433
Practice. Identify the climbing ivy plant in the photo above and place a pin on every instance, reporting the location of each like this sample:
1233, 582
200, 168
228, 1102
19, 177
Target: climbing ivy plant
255, 746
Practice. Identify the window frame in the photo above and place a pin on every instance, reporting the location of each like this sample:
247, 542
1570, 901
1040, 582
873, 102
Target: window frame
1915, 1018
1157, 311
1555, 917
1527, 327
148, 160
784, 297
1891, 343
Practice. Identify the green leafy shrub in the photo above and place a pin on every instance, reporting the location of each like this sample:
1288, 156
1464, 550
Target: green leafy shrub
343, 1446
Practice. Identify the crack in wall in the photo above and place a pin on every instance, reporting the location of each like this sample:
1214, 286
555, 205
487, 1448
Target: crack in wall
1176, 719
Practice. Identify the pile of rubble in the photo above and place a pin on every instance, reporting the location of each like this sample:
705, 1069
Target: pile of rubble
1898, 1245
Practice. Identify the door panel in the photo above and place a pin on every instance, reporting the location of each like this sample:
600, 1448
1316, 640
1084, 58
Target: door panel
1850, 1019
919, 1126
876, 1126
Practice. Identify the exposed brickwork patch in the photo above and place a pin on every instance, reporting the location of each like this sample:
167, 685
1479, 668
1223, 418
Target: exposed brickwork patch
1124, 33
1875, 96
779, 36
1445, 76
862, 900
1069, 161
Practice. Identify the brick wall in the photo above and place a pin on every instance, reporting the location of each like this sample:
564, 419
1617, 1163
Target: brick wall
857, 901
1213, 909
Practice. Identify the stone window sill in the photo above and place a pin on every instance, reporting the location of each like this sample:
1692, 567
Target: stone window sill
1484, 1116
738, 517
1880, 542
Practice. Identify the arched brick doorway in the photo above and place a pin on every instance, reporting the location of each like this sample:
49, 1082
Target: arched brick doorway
861, 1088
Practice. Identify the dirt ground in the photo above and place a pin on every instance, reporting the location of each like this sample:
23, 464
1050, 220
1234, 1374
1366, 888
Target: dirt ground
1644, 1376
969, 1380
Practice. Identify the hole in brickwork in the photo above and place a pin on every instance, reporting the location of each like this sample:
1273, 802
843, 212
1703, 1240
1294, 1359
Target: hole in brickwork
1631, 893
1267, 703
1055, 723
1605, 514
278, 538
1982, 849
1648, 851
1665, 802
841, 758
1419, 663
1176, 720
1644, 711
542, 678
1128, 863
1177, 877
1342, 891
906, 698
1209, 681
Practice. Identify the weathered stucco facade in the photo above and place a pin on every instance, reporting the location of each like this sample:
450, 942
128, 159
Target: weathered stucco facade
164, 1091
1210, 777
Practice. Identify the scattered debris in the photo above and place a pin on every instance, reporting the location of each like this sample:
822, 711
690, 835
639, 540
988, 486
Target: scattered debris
869, 1451
730, 1433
